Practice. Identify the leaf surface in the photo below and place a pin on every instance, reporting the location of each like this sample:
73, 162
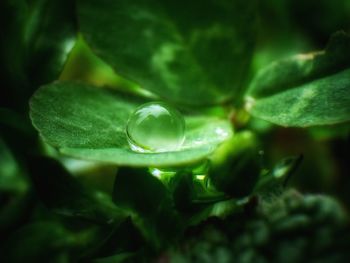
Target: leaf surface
305, 90
89, 123
179, 50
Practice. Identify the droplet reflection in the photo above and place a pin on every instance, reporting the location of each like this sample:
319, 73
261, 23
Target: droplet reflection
155, 127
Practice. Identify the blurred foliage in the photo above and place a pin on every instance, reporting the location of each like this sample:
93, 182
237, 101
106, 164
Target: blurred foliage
225, 201
36, 38
291, 228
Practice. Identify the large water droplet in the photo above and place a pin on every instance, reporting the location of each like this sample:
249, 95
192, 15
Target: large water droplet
155, 127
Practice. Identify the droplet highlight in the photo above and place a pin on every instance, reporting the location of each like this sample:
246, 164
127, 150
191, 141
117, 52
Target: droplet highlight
155, 127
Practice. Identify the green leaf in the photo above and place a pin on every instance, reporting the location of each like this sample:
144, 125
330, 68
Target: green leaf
89, 123
139, 191
151, 202
193, 194
235, 165
305, 90
176, 49
273, 182
64, 195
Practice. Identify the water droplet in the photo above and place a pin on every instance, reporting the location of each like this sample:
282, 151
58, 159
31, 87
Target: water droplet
155, 127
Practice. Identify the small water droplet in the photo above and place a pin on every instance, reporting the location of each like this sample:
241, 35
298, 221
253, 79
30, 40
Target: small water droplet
155, 127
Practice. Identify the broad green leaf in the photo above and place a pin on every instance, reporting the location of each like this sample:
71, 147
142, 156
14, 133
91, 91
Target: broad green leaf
151, 203
64, 195
321, 102
305, 90
89, 123
303, 68
185, 52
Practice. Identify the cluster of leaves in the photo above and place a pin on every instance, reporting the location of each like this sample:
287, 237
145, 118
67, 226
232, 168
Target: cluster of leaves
290, 228
201, 60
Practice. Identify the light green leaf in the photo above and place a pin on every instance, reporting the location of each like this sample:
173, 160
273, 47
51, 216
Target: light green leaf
305, 90
89, 123
321, 102
185, 52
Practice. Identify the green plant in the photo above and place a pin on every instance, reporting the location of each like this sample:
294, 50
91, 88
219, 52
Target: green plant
86, 66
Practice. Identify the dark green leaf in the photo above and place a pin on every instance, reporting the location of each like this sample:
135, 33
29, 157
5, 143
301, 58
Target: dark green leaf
305, 90
11, 174
50, 35
18, 132
183, 192
13, 120
290, 229
125, 257
36, 38
48, 241
39, 242
341, 130
176, 49
64, 195
326, 17
151, 202
272, 182
14, 187
235, 165
126, 237
192, 191
12, 51
14, 208
93, 127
